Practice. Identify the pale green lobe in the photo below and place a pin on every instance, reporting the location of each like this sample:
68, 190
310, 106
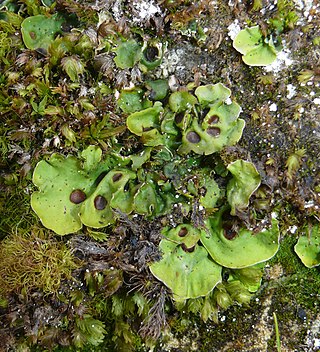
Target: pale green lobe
147, 201
308, 247
248, 39
122, 198
212, 93
145, 123
142, 121
92, 217
159, 89
92, 156
250, 277
56, 179
39, 31
263, 55
139, 159
181, 101
220, 127
152, 138
212, 193
132, 100
237, 291
245, 249
245, 181
127, 54
187, 274
227, 112
183, 233
256, 51
111, 189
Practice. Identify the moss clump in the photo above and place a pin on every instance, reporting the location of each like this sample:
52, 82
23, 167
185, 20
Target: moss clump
34, 261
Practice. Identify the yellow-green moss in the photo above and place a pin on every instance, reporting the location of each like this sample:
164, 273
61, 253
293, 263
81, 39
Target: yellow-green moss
34, 261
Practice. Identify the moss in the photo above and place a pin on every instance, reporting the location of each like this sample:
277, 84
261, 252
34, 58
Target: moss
295, 296
299, 283
15, 207
44, 109
34, 261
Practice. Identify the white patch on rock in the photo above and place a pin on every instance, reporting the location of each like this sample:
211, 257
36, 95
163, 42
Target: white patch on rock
304, 5
291, 91
145, 10
117, 10
283, 60
234, 29
313, 334
171, 62
228, 101
273, 107
293, 229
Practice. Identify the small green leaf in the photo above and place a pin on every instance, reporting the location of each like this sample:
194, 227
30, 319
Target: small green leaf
217, 126
158, 89
56, 179
92, 156
308, 247
250, 277
68, 133
139, 159
263, 55
187, 274
212, 193
256, 50
238, 291
127, 54
248, 39
212, 93
181, 101
97, 235
145, 120
39, 31
147, 201
183, 233
133, 100
96, 211
245, 181
92, 329
244, 249
53, 110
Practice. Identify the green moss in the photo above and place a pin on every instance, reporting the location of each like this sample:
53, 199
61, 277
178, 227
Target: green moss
66, 99
299, 281
34, 261
286, 16
15, 207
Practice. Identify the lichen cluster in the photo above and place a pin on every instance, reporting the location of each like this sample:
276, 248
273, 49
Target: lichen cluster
149, 172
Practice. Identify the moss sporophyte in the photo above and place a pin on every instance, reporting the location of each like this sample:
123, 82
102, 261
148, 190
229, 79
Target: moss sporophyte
170, 172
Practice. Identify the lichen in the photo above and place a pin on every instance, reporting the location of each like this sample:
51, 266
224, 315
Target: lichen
77, 91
